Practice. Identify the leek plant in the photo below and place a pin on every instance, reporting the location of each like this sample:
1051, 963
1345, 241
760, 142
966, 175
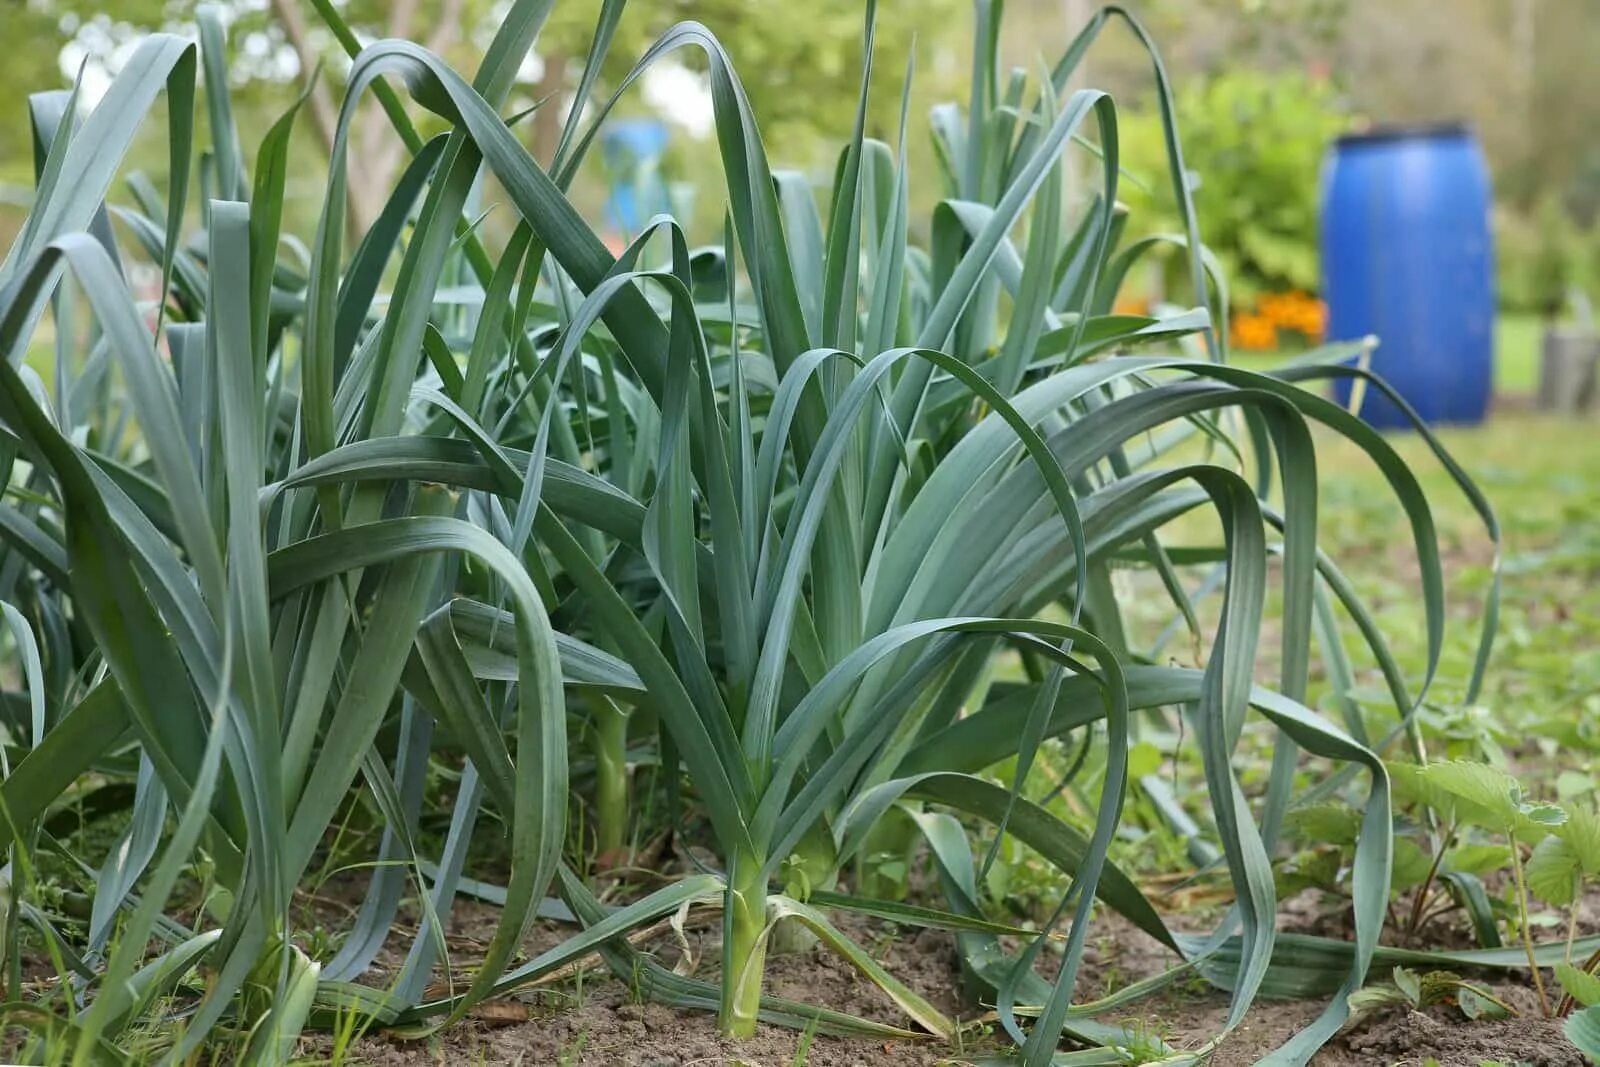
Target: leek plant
776, 507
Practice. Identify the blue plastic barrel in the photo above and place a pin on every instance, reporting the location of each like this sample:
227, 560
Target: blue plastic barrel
1407, 256
632, 149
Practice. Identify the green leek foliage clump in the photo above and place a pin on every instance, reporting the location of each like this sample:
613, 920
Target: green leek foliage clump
764, 513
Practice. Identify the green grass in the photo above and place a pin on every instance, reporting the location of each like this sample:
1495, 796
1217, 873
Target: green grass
1516, 353
1545, 486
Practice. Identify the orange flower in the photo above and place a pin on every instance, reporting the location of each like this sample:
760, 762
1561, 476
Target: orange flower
1276, 308
1314, 323
1294, 311
1253, 332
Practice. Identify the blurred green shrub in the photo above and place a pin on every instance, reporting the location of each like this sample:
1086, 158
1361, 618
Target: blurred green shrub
1253, 142
1541, 255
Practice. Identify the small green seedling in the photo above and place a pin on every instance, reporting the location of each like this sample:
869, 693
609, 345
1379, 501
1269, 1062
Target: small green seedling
1561, 863
1416, 992
1476, 794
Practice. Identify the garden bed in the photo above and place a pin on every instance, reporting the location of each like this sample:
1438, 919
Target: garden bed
875, 560
595, 1021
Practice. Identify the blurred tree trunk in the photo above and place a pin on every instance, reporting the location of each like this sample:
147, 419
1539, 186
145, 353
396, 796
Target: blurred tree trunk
375, 152
547, 119
324, 114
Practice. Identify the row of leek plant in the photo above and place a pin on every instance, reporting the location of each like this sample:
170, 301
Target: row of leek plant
785, 499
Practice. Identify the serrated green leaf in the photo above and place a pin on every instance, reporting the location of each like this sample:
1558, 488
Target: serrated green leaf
1144, 758
1476, 1006
1374, 1000
1410, 984
1479, 859
1483, 793
1581, 986
1547, 815
1411, 864
1581, 832
1330, 824
1553, 871
1583, 1030
1573, 784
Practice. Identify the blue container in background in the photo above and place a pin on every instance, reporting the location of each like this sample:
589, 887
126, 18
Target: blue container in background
1406, 255
633, 149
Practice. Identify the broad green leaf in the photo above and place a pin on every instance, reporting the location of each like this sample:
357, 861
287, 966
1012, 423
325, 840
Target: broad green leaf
1329, 824
1479, 859
1476, 1006
1581, 832
1581, 986
1484, 794
1553, 871
1583, 1030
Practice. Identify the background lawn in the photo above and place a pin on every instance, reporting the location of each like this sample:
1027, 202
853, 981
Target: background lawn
1516, 353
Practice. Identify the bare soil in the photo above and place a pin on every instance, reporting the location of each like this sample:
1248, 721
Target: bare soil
588, 1019
1186, 1018
595, 1022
